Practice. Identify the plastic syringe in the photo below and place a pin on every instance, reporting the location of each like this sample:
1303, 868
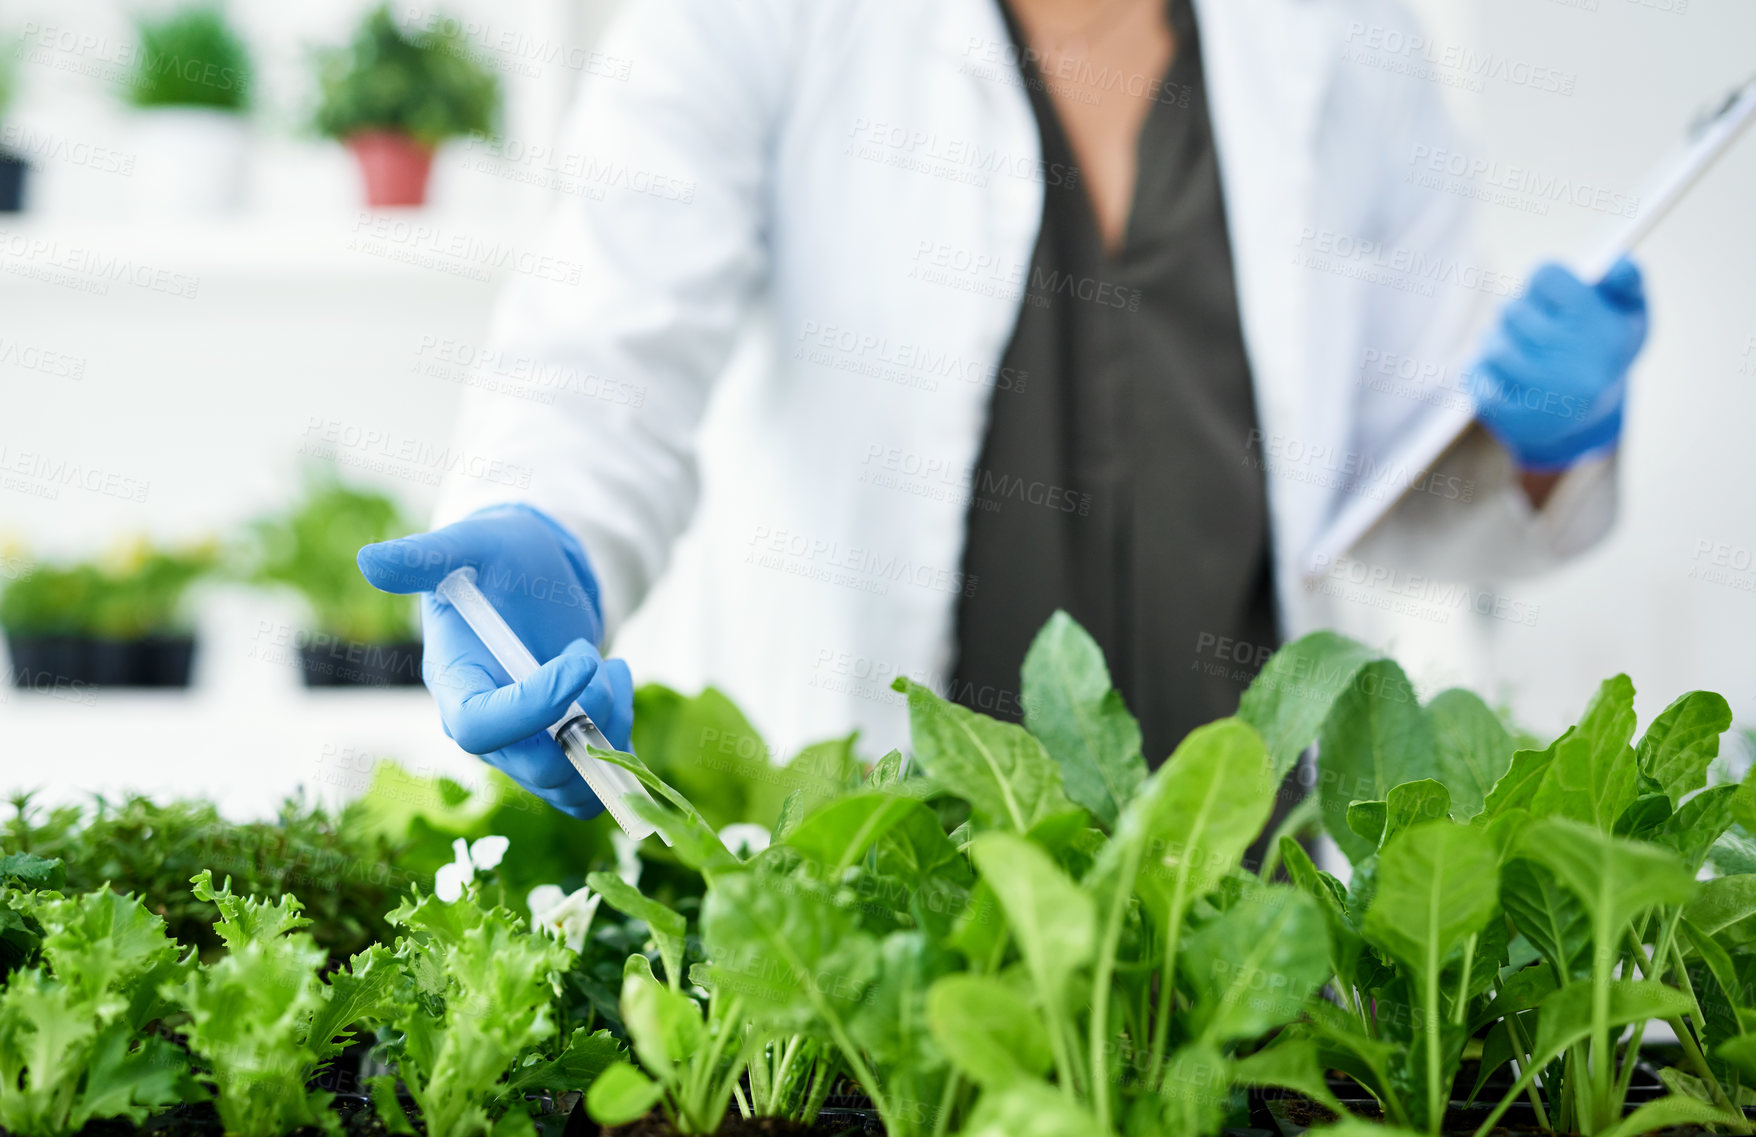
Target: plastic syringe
613, 785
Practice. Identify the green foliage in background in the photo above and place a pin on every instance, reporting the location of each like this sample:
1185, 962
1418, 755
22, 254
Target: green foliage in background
311, 548
428, 85
190, 58
8, 77
138, 591
348, 876
421, 816
705, 747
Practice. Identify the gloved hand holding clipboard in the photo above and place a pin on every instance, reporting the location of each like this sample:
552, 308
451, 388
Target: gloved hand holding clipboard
1436, 435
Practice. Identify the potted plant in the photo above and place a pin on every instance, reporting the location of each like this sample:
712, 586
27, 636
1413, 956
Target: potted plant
117, 622
393, 97
360, 637
190, 85
12, 167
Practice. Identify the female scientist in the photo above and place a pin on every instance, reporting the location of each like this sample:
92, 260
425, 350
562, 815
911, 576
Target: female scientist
1103, 305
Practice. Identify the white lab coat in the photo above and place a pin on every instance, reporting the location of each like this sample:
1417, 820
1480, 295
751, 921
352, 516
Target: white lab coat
864, 177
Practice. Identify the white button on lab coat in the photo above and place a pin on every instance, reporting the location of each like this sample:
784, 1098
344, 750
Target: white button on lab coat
862, 179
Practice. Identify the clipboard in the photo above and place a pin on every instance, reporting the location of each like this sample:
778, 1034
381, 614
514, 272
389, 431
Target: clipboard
1710, 137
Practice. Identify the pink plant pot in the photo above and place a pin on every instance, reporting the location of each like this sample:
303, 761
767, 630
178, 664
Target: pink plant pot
395, 167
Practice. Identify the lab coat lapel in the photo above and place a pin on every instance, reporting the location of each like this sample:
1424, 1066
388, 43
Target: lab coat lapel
1267, 65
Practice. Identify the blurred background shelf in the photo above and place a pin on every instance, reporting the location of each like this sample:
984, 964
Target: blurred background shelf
273, 342
246, 733
321, 250
244, 756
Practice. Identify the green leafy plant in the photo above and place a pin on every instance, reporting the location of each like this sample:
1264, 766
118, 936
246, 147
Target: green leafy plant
1539, 899
348, 874
190, 58
136, 592
1048, 960
696, 1060
1023, 929
705, 747
475, 1021
71, 1043
685, 1052
261, 1020
20, 934
428, 85
311, 548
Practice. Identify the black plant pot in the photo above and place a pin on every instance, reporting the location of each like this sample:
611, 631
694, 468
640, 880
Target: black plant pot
58, 662
164, 661
40, 661
12, 173
348, 663
113, 663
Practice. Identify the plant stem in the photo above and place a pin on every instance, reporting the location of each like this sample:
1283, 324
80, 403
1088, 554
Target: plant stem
1523, 1044
698, 1083
1457, 1008
1570, 1075
857, 1067
1435, 1099
822, 1075
1167, 984
1685, 1038
942, 1123
1524, 1079
1298, 817
1698, 1063
1064, 1068
1603, 961
780, 1071
1102, 976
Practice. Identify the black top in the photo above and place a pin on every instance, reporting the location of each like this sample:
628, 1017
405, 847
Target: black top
1121, 482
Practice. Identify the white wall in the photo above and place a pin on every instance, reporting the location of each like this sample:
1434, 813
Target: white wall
1642, 69
208, 401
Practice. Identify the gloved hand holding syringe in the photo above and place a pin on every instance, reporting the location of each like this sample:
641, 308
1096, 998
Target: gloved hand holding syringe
534, 597
613, 785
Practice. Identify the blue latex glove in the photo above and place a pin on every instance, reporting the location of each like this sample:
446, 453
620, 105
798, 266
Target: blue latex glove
1552, 375
537, 575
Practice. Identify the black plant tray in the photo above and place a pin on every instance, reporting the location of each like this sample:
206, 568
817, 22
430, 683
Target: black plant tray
65, 665
1292, 1114
340, 663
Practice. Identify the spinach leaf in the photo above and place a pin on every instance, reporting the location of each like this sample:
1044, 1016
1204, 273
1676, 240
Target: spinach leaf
1375, 739
1256, 965
1436, 889
1592, 773
988, 1030
1472, 748
1000, 769
1682, 743
1070, 706
1293, 693
668, 928
1053, 921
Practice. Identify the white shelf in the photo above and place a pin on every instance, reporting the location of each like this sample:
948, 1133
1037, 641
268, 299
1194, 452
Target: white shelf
246, 733
447, 249
246, 756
